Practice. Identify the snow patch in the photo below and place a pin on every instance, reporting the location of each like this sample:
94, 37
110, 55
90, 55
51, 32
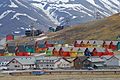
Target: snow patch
22, 14
22, 28
12, 4
4, 14
0, 24
17, 32
21, 4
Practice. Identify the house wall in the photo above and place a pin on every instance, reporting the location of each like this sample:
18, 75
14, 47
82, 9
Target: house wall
112, 62
29, 66
14, 65
64, 64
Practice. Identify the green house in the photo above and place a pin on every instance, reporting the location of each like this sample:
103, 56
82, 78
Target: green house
49, 51
31, 50
30, 47
118, 46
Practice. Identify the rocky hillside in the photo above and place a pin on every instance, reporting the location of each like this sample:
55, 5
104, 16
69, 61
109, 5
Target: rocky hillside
104, 29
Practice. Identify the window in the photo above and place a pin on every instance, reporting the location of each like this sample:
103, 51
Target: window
16, 66
13, 61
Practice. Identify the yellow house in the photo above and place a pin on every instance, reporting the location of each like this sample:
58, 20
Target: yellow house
75, 51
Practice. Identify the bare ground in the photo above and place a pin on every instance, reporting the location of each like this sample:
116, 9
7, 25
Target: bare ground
63, 77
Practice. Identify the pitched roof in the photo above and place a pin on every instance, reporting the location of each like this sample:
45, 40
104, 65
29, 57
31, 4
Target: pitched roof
66, 49
106, 57
57, 48
99, 42
108, 42
50, 48
75, 49
90, 49
11, 49
26, 60
100, 49
47, 58
115, 42
81, 58
78, 41
82, 49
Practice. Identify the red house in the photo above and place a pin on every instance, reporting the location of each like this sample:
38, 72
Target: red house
40, 46
21, 50
106, 44
9, 37
65, 52
98, 52
113, 45
108, 52
49, 43
23, 54
79, 43
56, 51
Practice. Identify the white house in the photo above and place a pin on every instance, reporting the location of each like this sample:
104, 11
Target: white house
64, 63
46, 62
21, 63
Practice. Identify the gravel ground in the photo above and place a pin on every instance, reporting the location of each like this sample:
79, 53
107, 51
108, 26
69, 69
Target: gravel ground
63, 77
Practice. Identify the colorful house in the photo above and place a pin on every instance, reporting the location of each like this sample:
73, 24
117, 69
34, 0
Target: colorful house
11, 49
108, 52
98, 43
98, 52
113, 45
9, 37
30, 47
56, 51
49, 51
118, 46
78, 43
21, 50
49, 43
75, 51
2, 51
87, 52
40, 47
65, 51
106, 44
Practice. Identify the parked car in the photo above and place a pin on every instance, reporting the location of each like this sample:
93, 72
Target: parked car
90, 68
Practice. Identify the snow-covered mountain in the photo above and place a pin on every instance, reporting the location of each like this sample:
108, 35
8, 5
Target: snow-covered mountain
17, 15
67, 12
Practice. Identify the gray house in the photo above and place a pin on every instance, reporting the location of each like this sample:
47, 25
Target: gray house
96, 62
21, 63
113, 62
46, 62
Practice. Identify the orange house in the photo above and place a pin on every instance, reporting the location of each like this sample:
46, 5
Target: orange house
56, 51
65, 52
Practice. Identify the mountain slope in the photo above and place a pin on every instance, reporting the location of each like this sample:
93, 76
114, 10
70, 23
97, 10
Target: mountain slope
104, 29
17, 15
70, 12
